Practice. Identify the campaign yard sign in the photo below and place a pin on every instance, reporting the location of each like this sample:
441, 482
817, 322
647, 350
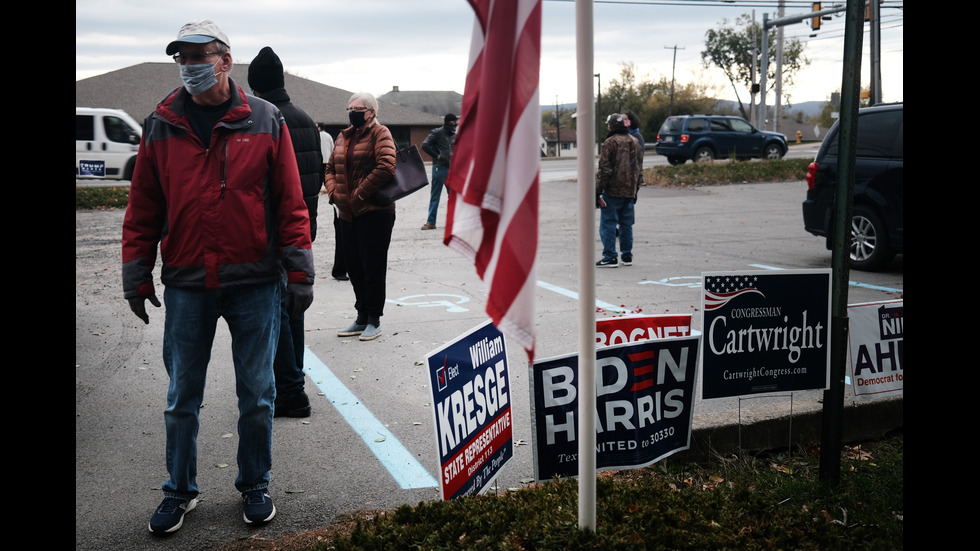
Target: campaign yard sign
92, 169
765, 332
471, 396
875, 349
618, 330
644, 400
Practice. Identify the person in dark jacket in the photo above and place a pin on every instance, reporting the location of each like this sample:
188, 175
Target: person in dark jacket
265, 78
439, 145
216, 188
339, 270
634, 128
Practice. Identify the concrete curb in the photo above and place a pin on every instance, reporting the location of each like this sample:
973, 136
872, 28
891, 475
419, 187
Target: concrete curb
862, 422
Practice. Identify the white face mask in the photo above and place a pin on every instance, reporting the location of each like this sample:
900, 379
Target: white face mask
198, 78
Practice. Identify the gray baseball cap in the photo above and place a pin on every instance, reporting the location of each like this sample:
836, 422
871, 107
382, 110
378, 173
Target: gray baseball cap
198, 32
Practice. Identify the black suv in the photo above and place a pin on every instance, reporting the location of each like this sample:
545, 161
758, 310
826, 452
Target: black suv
708, 137
877, 218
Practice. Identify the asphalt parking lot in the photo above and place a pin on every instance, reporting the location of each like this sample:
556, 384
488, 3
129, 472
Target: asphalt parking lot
322, 468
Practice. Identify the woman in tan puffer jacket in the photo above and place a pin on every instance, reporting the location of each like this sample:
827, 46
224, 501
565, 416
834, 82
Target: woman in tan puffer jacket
363, 160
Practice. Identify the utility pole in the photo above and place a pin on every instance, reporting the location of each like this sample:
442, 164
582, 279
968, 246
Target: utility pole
768, 24
557, 129
673, 69
598, 107
779, 68
752, 79
875, 12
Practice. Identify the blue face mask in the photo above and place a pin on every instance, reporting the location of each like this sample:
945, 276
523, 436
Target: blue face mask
198, 78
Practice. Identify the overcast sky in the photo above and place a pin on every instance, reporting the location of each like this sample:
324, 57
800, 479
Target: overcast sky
373, 45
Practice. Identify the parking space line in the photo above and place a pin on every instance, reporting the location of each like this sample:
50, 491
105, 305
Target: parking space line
851, 283
572, 294
406, 471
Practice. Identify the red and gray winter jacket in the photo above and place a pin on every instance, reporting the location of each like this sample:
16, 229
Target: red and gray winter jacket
226, 213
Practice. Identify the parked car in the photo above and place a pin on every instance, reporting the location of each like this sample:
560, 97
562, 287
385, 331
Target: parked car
106, 143
878, 214
708, 137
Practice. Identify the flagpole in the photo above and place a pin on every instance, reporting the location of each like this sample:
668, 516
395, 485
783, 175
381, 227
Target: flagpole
585, 136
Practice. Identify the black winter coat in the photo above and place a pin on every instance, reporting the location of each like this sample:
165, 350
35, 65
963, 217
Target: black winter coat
306, 144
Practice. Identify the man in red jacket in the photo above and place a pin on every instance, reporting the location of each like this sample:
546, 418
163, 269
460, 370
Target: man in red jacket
217, 189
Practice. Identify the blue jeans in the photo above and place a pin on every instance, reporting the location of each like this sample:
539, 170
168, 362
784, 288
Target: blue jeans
618, 213
252, 314
435, 191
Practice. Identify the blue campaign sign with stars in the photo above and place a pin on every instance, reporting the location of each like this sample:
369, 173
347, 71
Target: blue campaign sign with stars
765, 332
471, 394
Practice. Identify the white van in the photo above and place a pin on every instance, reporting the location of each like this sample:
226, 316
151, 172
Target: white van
106, 142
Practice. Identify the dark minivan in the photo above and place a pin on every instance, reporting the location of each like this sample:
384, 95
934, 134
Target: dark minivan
877, 218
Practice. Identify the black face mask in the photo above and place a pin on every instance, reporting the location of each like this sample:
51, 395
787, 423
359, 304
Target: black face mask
356, 118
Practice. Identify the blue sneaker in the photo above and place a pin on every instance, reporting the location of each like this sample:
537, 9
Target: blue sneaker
169, 516
258, 506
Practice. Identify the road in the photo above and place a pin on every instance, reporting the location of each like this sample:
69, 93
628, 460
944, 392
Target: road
552, 169
563, 168
323, 467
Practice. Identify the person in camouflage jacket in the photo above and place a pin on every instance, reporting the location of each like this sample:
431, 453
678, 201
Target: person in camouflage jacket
617, 183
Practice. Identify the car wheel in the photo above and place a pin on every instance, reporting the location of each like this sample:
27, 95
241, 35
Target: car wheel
676, 160
869, 241
772, 152
703, 154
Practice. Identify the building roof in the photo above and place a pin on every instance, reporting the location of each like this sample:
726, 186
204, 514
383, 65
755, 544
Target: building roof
429, 101
568, 135
137, 90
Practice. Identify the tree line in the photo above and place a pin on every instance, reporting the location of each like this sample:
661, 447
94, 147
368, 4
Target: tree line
733, 48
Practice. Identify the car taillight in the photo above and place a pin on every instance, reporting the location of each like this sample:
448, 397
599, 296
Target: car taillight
811, 175
685, 138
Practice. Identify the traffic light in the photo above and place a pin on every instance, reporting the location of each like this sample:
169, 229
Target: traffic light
815, 22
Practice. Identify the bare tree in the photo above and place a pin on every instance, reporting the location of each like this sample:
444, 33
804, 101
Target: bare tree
737, 49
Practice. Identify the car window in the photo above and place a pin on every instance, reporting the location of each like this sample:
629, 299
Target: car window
719, 125
116, 129
84, 128
738, 125
697, 124
877, 133
672, 125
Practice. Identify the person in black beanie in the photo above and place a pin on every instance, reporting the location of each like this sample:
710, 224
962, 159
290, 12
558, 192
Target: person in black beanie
265, 78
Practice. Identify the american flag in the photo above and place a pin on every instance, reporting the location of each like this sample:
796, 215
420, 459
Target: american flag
493, 181
718, 290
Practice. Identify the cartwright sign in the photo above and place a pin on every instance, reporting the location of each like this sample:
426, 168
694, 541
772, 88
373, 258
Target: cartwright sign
765, 332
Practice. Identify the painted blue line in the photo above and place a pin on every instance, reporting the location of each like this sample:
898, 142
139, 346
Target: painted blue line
574, 295
851, 283
407, 472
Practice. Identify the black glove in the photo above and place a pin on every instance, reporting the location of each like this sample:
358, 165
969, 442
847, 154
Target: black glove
635, 197
138, 306
599, 201
299, 297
